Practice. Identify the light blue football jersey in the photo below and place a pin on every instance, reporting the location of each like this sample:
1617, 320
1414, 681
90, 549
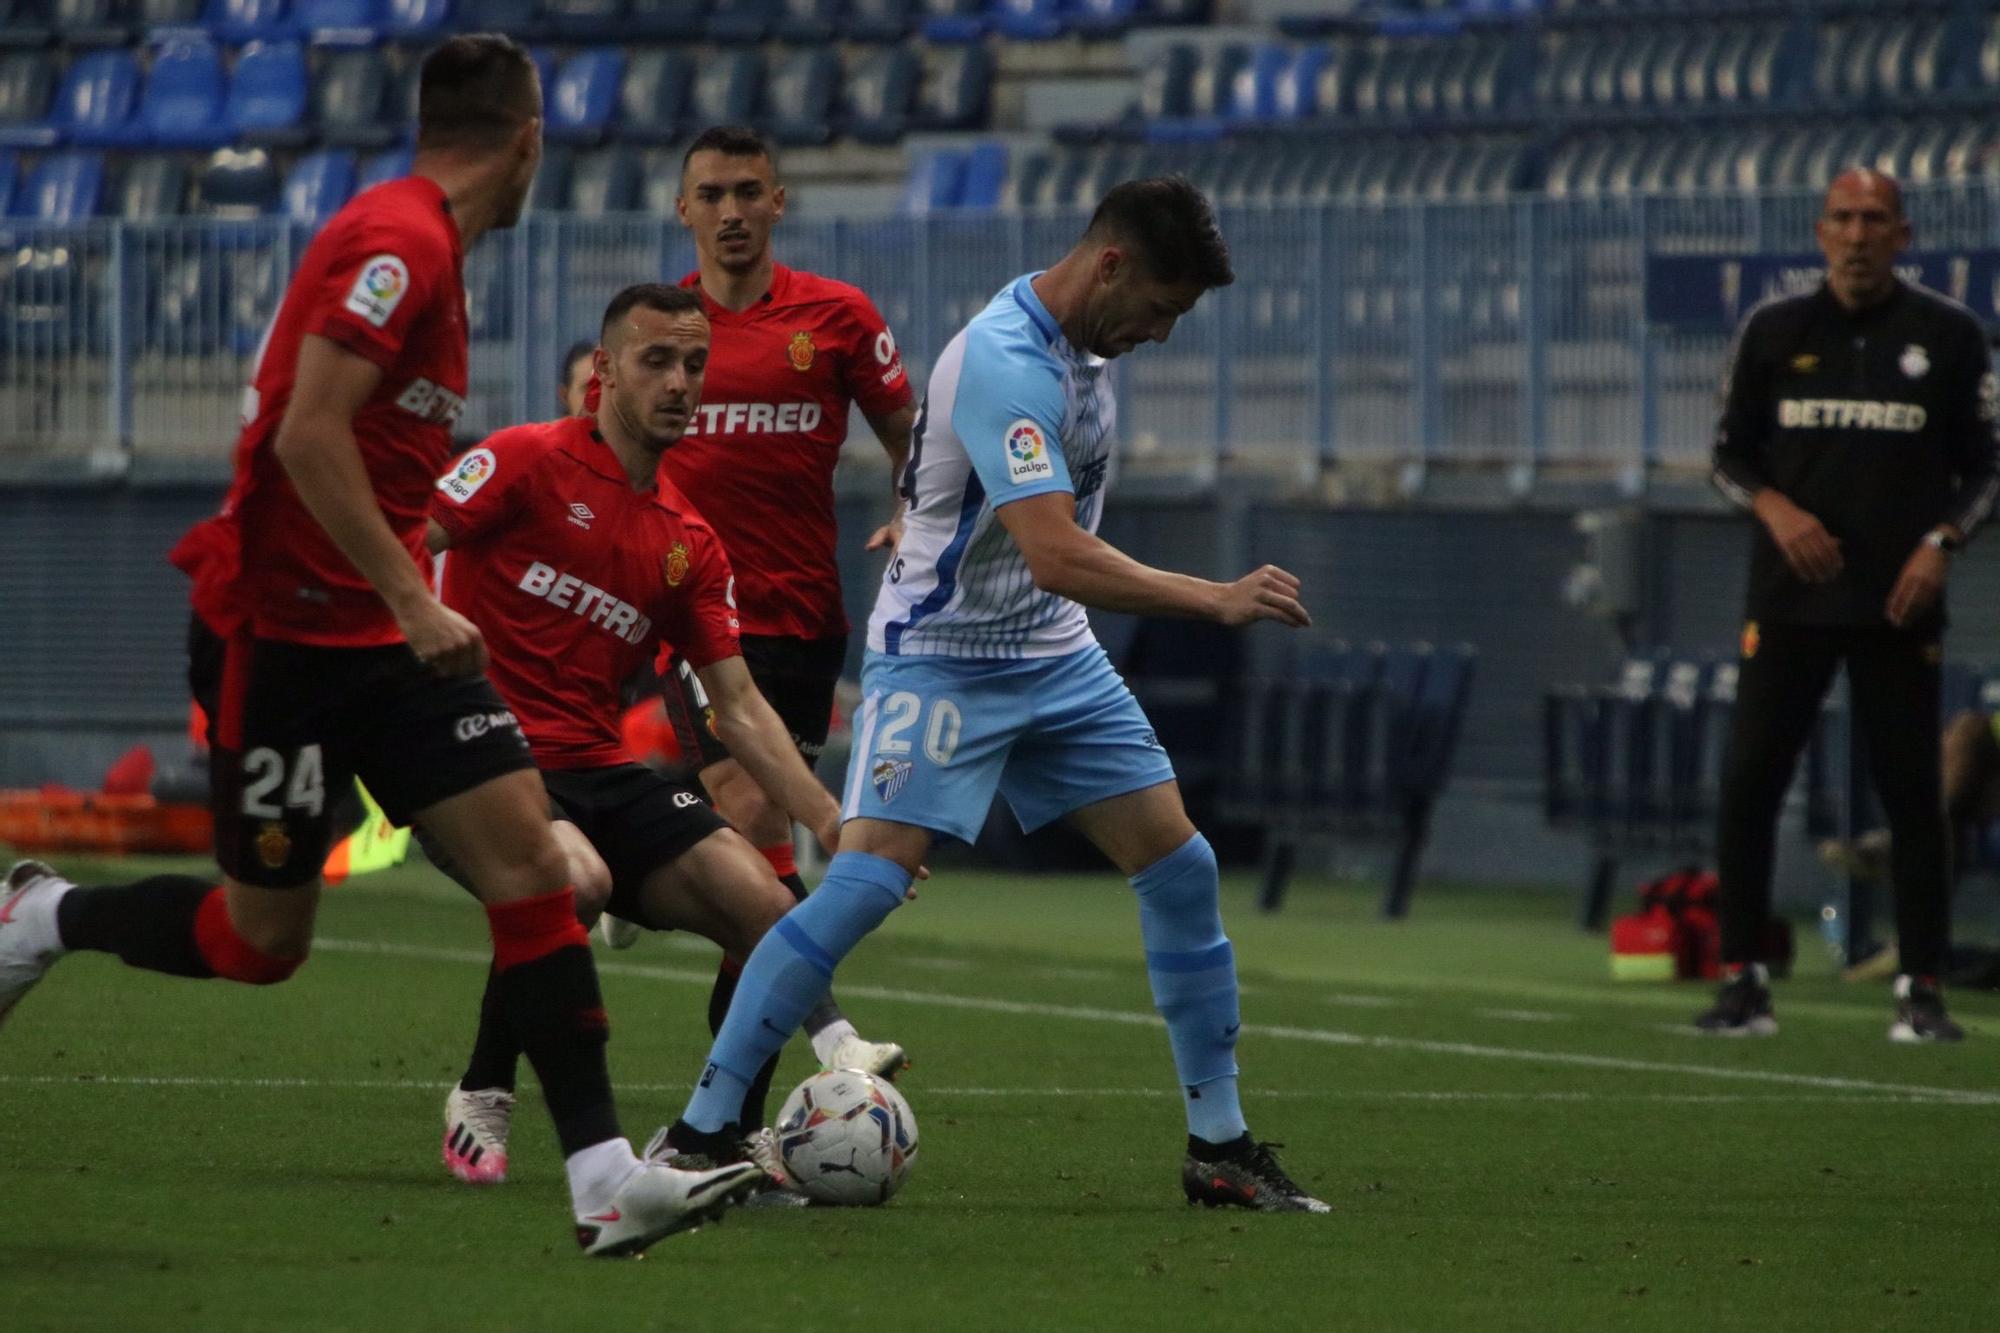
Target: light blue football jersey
1012, 411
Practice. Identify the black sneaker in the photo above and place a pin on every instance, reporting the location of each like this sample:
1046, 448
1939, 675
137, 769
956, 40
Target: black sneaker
1242, 1174
689, 1149
1920, 1014
1742, 1009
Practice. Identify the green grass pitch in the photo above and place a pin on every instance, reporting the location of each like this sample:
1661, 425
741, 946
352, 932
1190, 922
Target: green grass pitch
1510, 1139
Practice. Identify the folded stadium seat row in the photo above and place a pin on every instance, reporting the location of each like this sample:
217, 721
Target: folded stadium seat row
76, 185
942, 179
1867, 60
187, 99
1672, 67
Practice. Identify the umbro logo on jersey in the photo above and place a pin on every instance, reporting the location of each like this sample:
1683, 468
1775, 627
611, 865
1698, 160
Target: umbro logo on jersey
757, 418
579, 514
594, 604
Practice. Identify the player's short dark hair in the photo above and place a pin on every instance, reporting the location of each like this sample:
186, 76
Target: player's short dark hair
1167, 223
730, 141
578, 350
475, 91
660, 296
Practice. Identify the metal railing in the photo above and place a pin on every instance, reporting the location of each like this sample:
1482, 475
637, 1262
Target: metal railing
1511, 332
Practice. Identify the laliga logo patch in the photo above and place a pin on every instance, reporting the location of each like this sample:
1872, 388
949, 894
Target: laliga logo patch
379, 289
1027, 453
1751, 638
472, 472
677, 565
890, 776
1915, 362
801, 351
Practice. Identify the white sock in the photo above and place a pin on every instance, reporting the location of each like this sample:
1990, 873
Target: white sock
596, 1172
828, 1039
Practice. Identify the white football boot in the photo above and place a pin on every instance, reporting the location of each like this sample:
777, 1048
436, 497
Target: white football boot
618, 933
475, 1134
657, 1200
29, 942
761, 1147
884, 1059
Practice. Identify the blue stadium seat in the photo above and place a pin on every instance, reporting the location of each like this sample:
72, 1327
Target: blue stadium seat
808, 22
741, 22
317, 185
955, 89
405, 19
172, 15
953, 21
727, 88
652, 102
182, 103
1178, 11
93, 22
879, 21
25, 23
97, 99
1028, 20
267, 94
351, 103
65, 188
1295, 90
800, 98
1252, 95
985, 176
934, 180
1208, 93
248, 20
666, 20
585, 96
1097, 20
152, 186
10, 180
583, 20
605, 181
26, 85
392, 164
1166, 84
880, 95
238, 183
1025, 178
338, 22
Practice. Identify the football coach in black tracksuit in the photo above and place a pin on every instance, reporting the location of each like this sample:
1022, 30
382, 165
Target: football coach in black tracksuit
1858, 426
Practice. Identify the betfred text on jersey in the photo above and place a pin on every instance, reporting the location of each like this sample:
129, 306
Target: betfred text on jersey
588, 600
757, 418
1850, 414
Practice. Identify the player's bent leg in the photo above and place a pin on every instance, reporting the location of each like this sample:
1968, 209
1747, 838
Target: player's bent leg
792, 965
584, 870
742, 802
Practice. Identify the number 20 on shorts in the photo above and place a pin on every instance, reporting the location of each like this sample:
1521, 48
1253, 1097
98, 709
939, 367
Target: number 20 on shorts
900, 712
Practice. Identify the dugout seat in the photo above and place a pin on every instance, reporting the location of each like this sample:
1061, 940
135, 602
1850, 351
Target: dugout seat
585, 96
351, 101
182, 103
267, 95
317, 185
801, 96
652, 101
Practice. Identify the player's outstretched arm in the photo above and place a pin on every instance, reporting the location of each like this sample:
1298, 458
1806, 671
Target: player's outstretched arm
1069, 562
315, 445
756, 739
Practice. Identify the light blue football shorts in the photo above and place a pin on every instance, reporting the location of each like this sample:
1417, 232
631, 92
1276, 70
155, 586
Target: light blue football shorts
935, 737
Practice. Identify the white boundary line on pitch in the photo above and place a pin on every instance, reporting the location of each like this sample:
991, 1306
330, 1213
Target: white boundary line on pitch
1331, 1095
1323, 1036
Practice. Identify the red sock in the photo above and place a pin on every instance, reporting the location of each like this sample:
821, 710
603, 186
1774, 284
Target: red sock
228, 953
531, 928
781, 857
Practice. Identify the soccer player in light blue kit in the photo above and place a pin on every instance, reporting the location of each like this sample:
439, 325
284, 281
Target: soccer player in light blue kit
982, 675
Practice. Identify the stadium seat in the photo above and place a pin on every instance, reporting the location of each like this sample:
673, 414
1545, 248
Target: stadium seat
727, 88
659, 181
879, 21
248, 20
741, 22
1252, 94
153, 186
583, 20
93, 22
585, 96
985, 176
155, 15
653, 99
385, 166
267, 95
605, 181
880, 95
1098, 20
97, 99
1208, 92
954, 91
800, 98
666, 20
934, 180
952, 21
238, 183
550, 192
406, 19
351, 103
317, 185
182, 104
338, 22
26, 84
808, 22
65, 188
1295, 91
1178, 11
25, 23
10, 180
1026, 176
1166, 84
1028, 20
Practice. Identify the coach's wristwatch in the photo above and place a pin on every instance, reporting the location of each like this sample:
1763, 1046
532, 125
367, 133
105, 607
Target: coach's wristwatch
1943, 539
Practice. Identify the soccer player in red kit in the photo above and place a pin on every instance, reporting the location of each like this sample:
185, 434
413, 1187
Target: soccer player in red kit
791, 351
578, 560
320, 654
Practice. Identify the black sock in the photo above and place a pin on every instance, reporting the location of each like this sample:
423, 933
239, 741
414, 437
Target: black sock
1208, 1152
826, 1012
758, 1096
495, 1052
557, 1012
149, 924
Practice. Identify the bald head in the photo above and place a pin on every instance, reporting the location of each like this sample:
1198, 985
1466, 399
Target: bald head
1861, 230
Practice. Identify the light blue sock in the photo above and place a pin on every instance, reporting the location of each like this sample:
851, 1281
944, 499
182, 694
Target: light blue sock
787, 974
1193, 971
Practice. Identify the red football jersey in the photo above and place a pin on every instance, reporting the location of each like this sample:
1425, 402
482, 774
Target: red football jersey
759, 455
576, 579
383, 279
